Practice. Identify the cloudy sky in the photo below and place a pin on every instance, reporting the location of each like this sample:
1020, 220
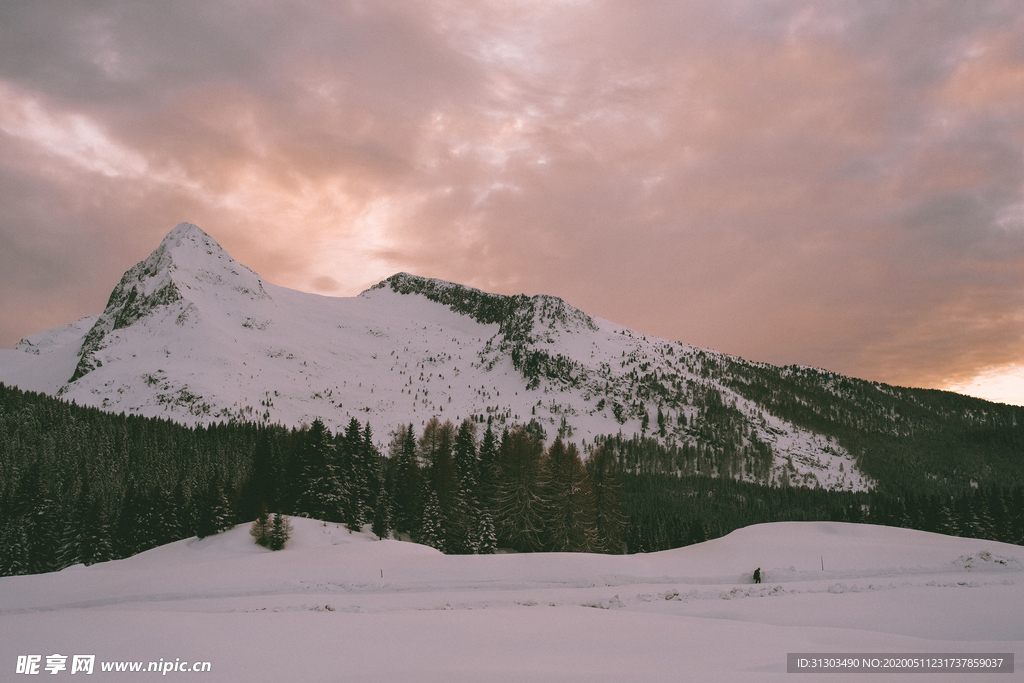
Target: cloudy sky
838, 184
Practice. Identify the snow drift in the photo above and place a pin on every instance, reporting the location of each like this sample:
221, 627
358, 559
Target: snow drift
336, 605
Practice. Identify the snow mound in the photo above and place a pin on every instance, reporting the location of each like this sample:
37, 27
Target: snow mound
985, 561
307, 535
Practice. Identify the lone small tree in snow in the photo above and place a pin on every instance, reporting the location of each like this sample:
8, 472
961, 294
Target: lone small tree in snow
280, 532
261, 528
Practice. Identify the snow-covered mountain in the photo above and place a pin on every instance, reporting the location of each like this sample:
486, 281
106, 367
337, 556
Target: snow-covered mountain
192, 335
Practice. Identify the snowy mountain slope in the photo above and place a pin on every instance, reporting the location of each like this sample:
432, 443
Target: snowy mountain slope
54, 357
336, 604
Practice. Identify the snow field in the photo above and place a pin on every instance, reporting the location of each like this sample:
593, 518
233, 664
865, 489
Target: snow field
321, 611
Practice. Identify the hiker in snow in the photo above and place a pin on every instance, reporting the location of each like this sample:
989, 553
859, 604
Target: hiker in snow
757, 575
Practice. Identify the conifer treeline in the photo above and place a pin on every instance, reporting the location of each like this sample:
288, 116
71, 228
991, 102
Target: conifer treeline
667, 511
460, 496
931, 442
80, 485
670, 503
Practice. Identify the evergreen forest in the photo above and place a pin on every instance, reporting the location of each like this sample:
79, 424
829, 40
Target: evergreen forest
78, 485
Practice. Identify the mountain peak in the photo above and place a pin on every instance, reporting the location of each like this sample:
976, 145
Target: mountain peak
186, 270
186, 230
187, 245
193, 259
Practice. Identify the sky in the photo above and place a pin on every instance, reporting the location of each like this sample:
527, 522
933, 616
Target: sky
835, 183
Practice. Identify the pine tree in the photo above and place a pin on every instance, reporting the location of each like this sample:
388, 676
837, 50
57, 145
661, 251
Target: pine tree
134, 522
572, 516
408, 482
147, 531
182, 522
22, 552
966, 518
853, 514
87, 540
463, 520
466, 463
45, 532
383, 507
487, 541
606, 484
260, 489
1016, 516
695, 533
382, 516
900, 518
213, 512
13, 547
261, 528
535, 430
321, 494
354, 471
487, 467
374, 466
947, 523
520, 504
15, 555
432, 531
281, 531
1002, 529
436, 448
461, 533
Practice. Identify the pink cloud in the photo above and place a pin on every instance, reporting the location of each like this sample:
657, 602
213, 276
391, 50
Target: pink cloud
828, 184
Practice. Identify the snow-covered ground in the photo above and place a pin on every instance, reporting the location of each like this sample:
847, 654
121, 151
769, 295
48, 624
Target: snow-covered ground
341, 606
